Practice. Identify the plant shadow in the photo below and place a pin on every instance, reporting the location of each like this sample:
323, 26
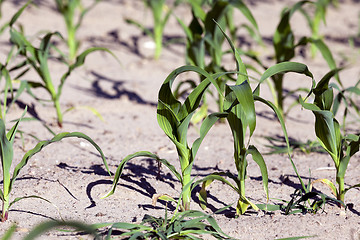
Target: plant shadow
135, 178
117, 90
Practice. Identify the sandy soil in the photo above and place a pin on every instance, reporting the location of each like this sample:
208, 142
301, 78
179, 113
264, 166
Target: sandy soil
70, 174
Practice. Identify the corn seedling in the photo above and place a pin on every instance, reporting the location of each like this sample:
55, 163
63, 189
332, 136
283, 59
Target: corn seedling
239, 111
38, 58
327, 128
160, 13
69, 9
319, 16
189, 224
277, 145
204, 37
174, 119
346, 96
285, 46
6, 146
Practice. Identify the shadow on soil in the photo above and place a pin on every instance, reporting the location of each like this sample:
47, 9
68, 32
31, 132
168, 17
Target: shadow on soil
115, 91
134, 177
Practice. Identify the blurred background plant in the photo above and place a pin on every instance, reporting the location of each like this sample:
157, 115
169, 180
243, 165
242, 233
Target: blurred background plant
73, 13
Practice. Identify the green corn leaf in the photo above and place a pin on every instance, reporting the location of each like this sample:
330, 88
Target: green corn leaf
206, 181
140, 26
2, 195
197, 10
351, 147
9, 233
240, 66
354, 186
244, 95
257, 157
284, 67
80, 60
245, 11
43, 144
18, 13
37, 197
48, 225
11, 133
327, 183
122, 164
283, 39
327, 55
327, 130
243, 204
208, 122
6, 151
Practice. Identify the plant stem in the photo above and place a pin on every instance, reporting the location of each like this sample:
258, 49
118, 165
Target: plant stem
58, 111
5, 212
158, 41
341, 194
72, 44
186, 198
278, 82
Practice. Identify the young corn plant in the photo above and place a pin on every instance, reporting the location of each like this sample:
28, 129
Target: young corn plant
314, 21
327, 128
239, 111
69, 10
204, 37
6, 147
38, 59
285, 49
160, 13
174, 119
190, 224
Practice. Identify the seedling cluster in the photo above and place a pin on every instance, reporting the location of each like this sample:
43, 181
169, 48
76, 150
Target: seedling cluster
210, 35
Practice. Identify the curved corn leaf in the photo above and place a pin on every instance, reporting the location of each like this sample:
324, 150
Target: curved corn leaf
18, 13
208, 122
6, 151
327, 55
122, 164
44, 227
353, 186
284, 67
283, 39
245, 11
43, 144
240, 66
327, 130
206, 181
245, 98
327, 183
79, 61
38, 197
257, 157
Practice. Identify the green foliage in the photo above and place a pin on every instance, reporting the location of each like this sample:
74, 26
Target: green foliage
327, 128
203, 37
160, 13
6, 151
314, 20
38, 59
189, 224
69, 9
285, 49
174, 119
